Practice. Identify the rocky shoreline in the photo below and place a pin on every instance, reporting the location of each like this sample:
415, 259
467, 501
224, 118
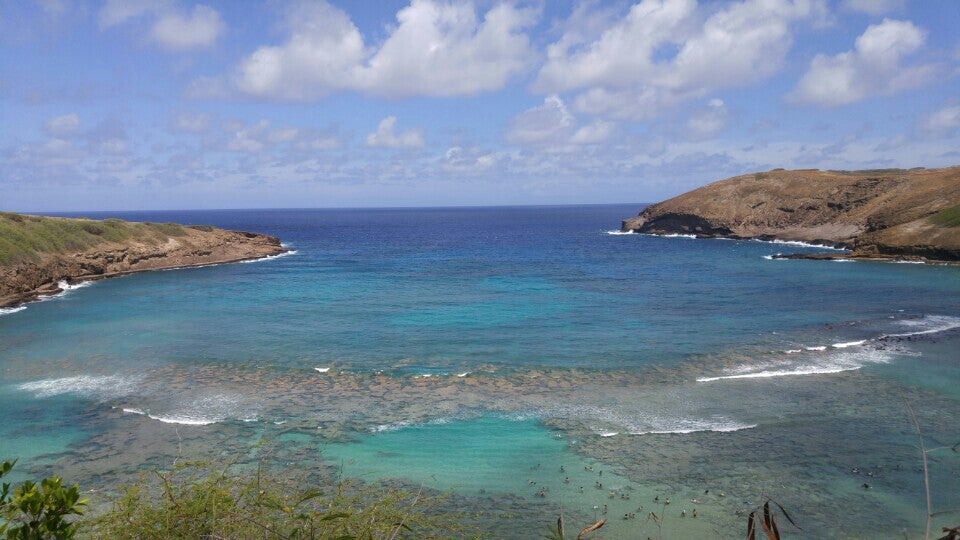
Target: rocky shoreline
884, 215
29, 280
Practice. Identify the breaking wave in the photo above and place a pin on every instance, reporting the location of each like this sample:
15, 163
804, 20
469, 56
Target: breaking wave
101, 387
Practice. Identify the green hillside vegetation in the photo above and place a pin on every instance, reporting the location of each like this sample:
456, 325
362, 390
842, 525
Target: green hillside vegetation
947, 218
25, 238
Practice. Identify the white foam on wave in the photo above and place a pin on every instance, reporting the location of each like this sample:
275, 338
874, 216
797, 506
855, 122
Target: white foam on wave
695, 426
931, 324
835, 362
690, 236
271, 257
322, 369
816, 348
8, 311
464, 374
100, 386
798, 244
403, 424
133, 410
641, 422
847, 344
843, 260
185, 420
618, 233
65, 288
205, 410
909, 262
792, 351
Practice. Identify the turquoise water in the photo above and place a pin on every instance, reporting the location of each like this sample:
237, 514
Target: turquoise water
448, 347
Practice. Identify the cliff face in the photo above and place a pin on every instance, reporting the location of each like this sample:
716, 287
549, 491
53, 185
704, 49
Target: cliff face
874, 213
34, 261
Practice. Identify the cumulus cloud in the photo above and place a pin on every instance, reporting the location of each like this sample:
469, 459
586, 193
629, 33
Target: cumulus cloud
874, 66
386, 136
709, 120
264, 136
663, 52
549, 122
944, 120
177, 31
171, 27
62, 126
874, 7
436, 49
552, 124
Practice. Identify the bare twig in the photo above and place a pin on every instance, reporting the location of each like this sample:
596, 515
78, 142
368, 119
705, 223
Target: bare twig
415, 501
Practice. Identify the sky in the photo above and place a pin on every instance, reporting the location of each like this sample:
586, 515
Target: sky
176, 104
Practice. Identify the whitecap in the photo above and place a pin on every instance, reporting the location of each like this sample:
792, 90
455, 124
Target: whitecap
271, 257
186, 420
792, 351
798, 244
322, 369
464, 374
608, 433
931, 324
835, 362
85, 385
618, 233
132, 410
8, 311
846, 344
817, 348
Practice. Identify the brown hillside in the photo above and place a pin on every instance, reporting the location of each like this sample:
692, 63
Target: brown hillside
884, 212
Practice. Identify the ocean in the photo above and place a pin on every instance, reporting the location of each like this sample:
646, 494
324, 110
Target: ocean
479, 350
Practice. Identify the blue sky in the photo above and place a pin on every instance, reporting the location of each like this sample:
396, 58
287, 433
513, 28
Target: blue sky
169, 104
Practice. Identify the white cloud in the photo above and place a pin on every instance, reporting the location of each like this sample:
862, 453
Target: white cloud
116, 12
549, 122
664, 52
386, 136
872, 67
552, 125
178, 32
436, 49
192, 123
709, 120
261, 136
62, 126
594, 133
946, 119
171, 27
874, 7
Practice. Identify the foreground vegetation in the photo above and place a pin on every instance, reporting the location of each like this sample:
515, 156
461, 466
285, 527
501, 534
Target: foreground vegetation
27, 238
202, 500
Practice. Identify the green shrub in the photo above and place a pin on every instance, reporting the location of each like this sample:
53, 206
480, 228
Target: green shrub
200, 500
35, 511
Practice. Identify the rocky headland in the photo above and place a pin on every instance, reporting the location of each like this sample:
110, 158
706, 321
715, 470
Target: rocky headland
888, 214
38, 253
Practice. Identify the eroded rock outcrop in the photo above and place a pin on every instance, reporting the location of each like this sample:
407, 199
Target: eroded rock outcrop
38, 271
879, 213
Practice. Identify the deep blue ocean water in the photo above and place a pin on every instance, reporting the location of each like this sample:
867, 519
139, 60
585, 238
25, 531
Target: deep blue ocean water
629, 349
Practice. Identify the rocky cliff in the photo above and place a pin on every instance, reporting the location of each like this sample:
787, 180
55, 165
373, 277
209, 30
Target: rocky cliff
877, 213
37, 253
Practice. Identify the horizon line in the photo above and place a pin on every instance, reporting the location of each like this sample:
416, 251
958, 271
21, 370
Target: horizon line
438, 207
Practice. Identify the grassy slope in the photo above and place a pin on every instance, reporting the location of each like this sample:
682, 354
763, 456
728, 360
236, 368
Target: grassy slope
26, 238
